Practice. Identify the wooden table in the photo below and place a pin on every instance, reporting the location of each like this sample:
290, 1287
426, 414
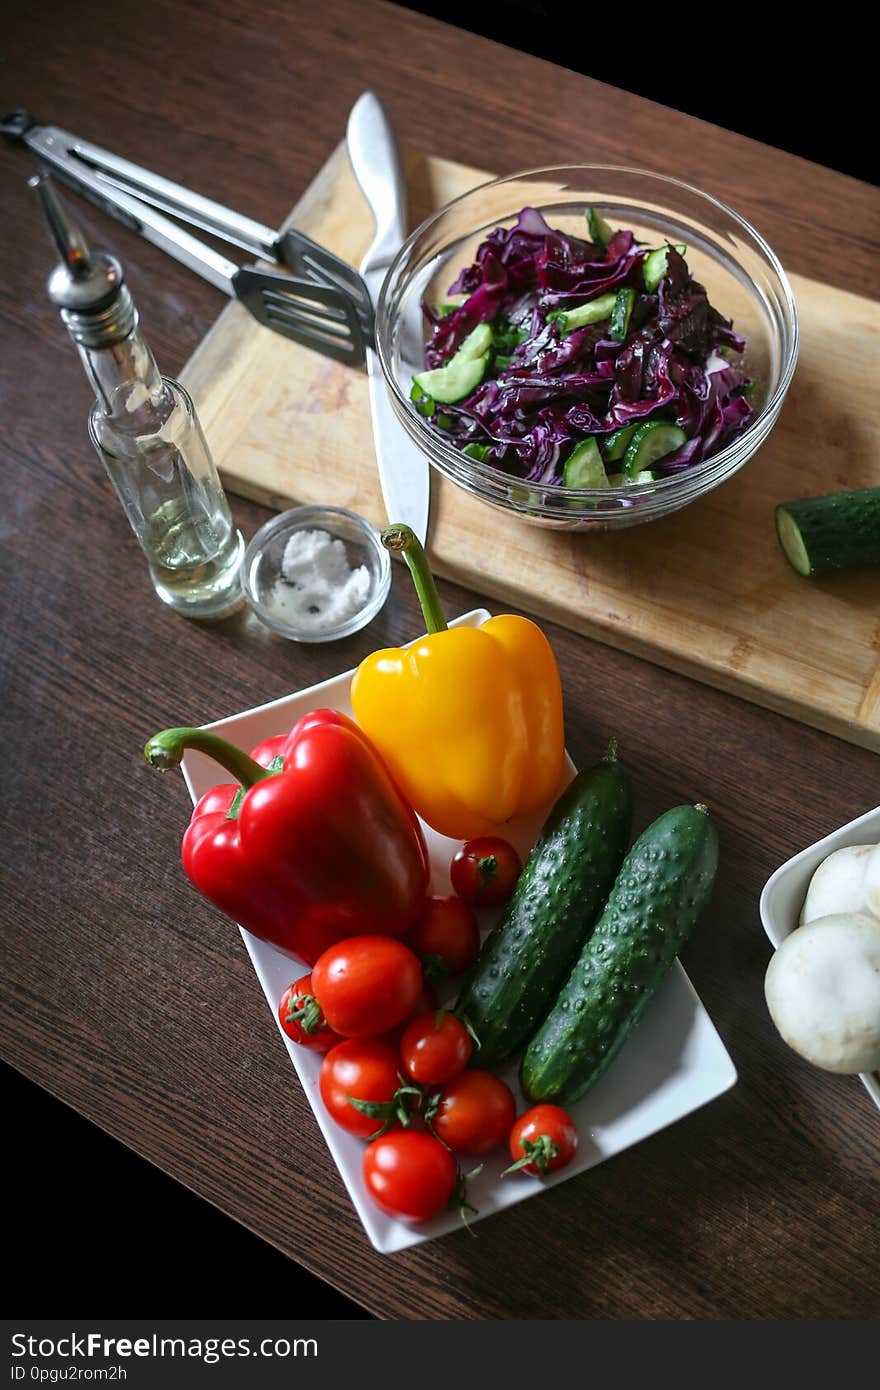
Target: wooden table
129, 997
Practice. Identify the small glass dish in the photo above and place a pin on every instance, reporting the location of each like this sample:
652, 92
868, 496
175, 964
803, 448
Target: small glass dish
264, 585
744, 279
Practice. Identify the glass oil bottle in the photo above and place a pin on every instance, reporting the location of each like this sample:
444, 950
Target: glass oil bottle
146, 432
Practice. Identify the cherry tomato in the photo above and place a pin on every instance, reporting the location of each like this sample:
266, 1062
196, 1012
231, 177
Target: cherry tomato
366, 984
542, 1140
474, 1112
435, 1047
427, 1003
484, 871
300, 1015
409, 1175
367, 1070
446, 937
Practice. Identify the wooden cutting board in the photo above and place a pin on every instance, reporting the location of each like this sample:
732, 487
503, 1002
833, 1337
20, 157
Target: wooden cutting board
705, 591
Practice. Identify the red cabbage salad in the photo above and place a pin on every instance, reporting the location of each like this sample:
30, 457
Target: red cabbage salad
584, 361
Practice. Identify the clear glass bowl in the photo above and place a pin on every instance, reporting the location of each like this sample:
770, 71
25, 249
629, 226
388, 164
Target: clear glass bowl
743, 277
265, 590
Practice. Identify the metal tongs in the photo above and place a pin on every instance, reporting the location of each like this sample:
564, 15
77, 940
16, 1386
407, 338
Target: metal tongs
323, 304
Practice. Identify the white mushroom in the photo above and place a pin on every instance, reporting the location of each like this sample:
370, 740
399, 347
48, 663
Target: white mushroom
872, 882
823, 992
839, 884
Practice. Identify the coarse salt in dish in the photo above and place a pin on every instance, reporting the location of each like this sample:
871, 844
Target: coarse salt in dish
317, 587
316, 574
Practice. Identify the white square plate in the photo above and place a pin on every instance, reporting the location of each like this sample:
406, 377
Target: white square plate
785, 891
673, 1063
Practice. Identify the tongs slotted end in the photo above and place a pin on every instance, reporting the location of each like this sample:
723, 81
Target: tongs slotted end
324, 304
318, 316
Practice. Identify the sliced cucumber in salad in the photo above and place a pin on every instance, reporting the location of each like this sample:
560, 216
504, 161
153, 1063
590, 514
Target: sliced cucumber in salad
615, 445
620, 314
584, 466
585, 314
651, 441
478, 341
647, 475
600, 232
654, 267
462, 374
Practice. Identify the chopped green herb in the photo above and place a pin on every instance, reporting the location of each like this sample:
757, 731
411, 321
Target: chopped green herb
476, 451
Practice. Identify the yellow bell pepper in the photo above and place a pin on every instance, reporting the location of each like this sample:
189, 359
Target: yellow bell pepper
469, 720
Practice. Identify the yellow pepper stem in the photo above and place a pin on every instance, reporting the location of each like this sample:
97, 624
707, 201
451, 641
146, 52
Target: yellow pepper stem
402, 540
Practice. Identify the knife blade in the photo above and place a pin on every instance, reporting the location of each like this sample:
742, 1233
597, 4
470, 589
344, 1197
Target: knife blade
404, 472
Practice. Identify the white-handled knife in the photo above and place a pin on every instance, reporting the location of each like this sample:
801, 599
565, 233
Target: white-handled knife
404, 472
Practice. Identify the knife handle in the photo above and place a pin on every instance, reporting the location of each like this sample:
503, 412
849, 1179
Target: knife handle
375, 159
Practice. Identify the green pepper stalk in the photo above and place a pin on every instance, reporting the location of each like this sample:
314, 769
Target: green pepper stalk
166, 749
402, 540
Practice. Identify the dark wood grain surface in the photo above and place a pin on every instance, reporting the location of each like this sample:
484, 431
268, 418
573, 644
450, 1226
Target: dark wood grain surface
129, 997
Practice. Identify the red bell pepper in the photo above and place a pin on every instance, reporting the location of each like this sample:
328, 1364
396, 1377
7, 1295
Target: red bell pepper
317, 846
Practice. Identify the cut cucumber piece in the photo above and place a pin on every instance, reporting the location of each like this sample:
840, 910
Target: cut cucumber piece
475, 344
652, 441
623, 307
615, 445
835, 532
455, 381
622, 480
594, 312
600, 232
461, 375
654, 267
584, 466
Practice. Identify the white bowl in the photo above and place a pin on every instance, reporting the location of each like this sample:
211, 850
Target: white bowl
673, 1063
785, 891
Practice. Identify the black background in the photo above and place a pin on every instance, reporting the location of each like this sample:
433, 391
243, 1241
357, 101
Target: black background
800, 78
800, 85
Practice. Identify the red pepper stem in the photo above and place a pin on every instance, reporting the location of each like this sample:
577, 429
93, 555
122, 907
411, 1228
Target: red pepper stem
166, 749
402, 540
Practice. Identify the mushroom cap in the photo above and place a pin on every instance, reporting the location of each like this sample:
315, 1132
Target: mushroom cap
823, 991
838, 885
872, 882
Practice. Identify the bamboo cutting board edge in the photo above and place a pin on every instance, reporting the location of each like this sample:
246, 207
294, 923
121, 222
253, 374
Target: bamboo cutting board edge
219, 369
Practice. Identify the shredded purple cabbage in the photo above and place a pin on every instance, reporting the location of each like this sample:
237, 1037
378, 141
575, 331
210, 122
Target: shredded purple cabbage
547, 390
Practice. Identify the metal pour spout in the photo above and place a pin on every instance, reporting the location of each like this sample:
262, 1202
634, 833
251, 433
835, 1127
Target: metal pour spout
86, 286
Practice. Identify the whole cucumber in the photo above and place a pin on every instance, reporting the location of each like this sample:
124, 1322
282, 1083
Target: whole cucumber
661, 890
557, 898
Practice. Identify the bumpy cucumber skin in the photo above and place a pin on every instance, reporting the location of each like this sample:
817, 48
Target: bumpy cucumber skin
661, 890
559, 894
839, 530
